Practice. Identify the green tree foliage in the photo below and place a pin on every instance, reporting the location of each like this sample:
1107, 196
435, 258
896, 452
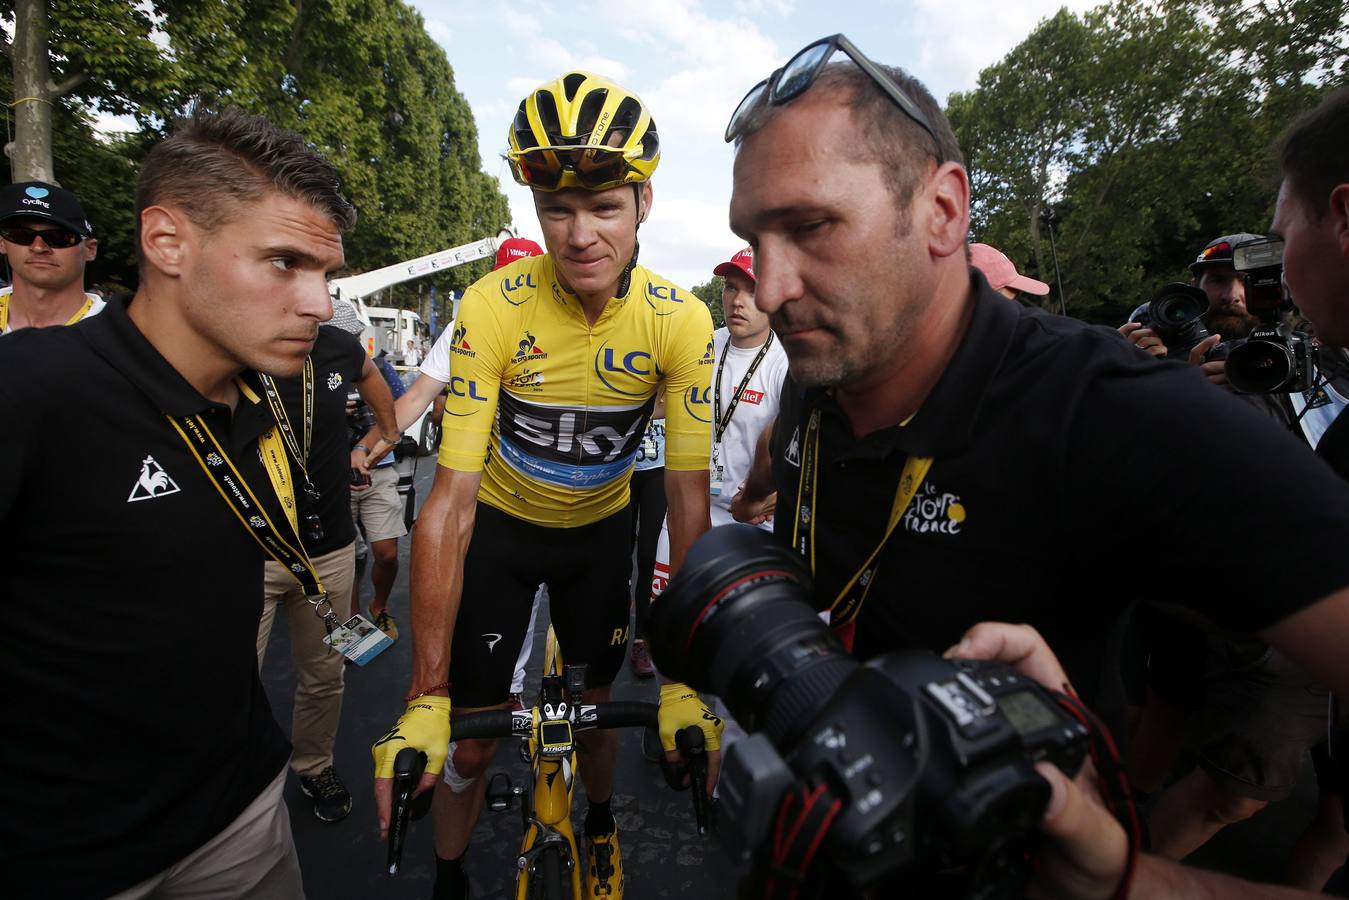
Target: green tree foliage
710, 293
1146, 127
360, 79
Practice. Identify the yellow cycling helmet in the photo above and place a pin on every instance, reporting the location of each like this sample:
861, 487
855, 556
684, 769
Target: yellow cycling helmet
582, 130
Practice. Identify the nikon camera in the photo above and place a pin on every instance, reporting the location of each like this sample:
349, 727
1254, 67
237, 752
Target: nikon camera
932, 758
1272, 359
1176, 312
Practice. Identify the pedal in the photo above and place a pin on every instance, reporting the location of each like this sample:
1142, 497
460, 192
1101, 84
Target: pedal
501, 792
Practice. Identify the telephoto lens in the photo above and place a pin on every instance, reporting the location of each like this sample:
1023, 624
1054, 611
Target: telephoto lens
737, 622
1176, 312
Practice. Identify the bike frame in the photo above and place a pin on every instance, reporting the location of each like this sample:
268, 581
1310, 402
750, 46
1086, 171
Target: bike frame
547, 810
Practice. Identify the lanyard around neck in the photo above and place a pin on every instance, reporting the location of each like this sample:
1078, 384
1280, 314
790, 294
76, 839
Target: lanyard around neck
722, 423
286, 548
4, 310
299, 452
849, 601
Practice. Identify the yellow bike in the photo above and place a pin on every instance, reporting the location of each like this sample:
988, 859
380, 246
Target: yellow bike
550, 863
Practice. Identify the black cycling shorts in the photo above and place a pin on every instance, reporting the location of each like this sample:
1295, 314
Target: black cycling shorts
586, 570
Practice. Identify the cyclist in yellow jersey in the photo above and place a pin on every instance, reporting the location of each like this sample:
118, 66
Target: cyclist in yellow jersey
46, 240
555, 367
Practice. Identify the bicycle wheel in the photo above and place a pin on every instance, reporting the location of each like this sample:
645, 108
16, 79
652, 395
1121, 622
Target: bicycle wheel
550, 880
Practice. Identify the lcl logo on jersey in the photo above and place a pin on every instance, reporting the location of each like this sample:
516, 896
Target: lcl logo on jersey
610, 362
510, 288
656, 292
466, 388
696, 402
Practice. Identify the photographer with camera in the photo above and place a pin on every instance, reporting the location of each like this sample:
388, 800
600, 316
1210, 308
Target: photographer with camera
905, 470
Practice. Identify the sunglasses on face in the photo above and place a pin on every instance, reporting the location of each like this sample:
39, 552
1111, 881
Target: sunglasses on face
595, 168
795, 78
56, 238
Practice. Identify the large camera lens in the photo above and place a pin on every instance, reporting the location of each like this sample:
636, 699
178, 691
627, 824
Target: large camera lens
737, 622
1176, 313
1260, 367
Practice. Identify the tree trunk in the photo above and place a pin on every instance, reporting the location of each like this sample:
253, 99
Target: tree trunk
1039, 251
30, 155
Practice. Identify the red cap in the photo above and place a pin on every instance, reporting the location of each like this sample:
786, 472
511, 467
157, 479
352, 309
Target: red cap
515, 248
1001, 272
741, 262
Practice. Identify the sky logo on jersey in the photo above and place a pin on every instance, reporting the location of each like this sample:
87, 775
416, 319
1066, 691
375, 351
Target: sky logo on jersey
613, 364
697, 401
459, 342
510, 288
528, 350
573, 448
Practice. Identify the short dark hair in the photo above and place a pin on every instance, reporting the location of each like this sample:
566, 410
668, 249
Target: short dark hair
888, 136
1314, 152
217, 162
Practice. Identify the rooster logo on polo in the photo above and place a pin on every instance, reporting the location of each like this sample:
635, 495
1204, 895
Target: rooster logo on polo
934, 512
153, 482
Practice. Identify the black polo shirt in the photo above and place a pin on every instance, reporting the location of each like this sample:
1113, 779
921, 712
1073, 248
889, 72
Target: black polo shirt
136, 727
1071, 474
338, 363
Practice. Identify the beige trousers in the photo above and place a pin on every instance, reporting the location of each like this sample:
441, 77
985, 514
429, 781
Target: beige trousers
318, 670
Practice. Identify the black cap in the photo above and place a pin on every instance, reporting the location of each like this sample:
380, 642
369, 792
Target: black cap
1218, 252
39, 200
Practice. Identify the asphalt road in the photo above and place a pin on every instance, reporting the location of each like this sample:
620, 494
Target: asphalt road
663, 855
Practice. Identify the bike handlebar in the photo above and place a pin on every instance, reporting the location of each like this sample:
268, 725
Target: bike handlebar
500, 723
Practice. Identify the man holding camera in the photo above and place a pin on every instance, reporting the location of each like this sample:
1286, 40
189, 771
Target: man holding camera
912, 380
314, 405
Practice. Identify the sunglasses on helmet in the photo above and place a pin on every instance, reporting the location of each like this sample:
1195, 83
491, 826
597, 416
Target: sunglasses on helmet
594, 168
795, 78
56, 238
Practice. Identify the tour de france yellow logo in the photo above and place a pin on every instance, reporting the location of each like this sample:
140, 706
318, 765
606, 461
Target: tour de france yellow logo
934, 511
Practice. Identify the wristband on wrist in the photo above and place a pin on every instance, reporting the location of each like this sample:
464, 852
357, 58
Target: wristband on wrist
392, 440
362, 447
444, 685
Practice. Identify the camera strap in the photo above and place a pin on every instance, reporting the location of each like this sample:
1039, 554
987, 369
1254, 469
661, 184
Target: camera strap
287, 549
849, 601
298, 452
720, 423
4, 310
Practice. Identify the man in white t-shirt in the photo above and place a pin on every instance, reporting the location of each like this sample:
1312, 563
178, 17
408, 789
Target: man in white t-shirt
410, 356
749, 367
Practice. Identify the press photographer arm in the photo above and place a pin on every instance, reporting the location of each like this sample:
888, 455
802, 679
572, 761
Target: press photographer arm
1088, 849
385, 435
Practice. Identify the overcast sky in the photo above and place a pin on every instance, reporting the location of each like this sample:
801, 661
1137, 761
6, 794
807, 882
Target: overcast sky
692, 62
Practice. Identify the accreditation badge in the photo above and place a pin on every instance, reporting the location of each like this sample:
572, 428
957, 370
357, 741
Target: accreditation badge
715, 471
359, 640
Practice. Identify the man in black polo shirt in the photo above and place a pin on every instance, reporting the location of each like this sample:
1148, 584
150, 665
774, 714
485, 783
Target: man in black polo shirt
336, 365
140, 756
996, 459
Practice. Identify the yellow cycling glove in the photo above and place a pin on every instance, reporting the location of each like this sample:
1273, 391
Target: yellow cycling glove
426, 726
680, 707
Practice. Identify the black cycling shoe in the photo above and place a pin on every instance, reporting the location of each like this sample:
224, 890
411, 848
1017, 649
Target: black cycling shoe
332, 802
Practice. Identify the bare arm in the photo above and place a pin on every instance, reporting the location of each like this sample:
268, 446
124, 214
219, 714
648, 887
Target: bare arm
439, 545
1314, 639
374, 390
754, 502
688, 495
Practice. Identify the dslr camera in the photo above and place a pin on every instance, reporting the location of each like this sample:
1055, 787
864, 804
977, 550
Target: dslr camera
1176, 312
930, 761
1272, 359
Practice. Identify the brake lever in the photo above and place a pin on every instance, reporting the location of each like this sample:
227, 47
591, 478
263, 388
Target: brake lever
692, 749
408, 766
